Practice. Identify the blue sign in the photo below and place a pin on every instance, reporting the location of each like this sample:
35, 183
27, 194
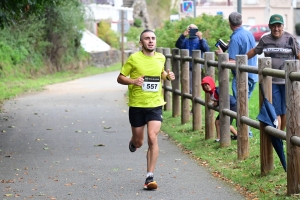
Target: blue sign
187, 6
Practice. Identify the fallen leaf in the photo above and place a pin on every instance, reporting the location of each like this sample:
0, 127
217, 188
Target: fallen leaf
99, 145
106, 127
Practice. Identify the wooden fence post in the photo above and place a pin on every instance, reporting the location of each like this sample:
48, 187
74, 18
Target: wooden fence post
209, 113
242, 107
223, 74
266, 148
159, 49
175, 83
167, 94
293, 127
197, 113
185, 87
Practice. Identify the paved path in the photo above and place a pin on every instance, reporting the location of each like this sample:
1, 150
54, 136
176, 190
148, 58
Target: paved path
70, 141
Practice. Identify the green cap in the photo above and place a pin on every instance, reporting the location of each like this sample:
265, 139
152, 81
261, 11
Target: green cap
276, 19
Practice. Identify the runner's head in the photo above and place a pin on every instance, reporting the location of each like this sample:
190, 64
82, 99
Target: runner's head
148, 40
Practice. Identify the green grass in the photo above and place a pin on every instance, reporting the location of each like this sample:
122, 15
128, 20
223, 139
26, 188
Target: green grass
12, 87
223, 163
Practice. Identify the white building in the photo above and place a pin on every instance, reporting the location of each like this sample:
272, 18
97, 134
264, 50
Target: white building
97, 12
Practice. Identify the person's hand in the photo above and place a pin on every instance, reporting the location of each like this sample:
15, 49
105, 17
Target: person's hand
186, 32
170, 75
139, 81
199, 34
219, 50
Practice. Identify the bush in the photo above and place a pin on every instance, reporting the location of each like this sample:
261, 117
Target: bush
137, 22
107, 35
297, 28
37, 42
212, 27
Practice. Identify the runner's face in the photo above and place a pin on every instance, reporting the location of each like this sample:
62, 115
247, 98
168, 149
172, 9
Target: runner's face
148, 41
276, 30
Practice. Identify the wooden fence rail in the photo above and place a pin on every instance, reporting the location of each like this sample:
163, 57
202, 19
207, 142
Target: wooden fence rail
178, 99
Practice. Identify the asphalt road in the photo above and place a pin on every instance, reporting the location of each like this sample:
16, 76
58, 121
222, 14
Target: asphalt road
70, 141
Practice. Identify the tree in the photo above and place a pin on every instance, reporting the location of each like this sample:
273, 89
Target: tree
13, 10
213, 27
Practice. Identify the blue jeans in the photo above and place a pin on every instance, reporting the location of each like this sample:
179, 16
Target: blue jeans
278, 99
251, 86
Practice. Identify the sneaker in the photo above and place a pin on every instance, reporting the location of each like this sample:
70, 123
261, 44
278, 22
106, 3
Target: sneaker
132, 148
150, 184
233, 137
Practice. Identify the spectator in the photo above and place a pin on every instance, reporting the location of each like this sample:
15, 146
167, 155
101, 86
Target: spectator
193, 42
241, 41
143, 73
280, 46
208, 86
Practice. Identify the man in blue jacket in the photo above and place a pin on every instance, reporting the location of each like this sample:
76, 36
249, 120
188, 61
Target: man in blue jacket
193, 42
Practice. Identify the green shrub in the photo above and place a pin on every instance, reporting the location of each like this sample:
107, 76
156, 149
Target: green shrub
137, 22
212, 27
108, 35
133, 35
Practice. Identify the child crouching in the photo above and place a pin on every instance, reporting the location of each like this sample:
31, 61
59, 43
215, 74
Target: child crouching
208, 86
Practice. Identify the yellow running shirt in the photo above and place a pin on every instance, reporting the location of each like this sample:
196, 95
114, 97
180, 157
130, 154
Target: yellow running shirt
150, 94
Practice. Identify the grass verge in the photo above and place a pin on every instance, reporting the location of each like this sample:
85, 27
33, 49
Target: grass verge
10, 88
223, 163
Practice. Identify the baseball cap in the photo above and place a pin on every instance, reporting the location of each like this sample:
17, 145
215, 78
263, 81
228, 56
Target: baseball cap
276, 19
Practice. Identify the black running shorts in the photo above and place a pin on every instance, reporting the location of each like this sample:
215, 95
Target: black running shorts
140, 116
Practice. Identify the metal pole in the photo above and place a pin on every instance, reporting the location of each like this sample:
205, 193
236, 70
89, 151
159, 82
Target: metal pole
239, 6
122, 35
194, 2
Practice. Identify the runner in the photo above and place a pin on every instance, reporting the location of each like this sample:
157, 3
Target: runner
143, 72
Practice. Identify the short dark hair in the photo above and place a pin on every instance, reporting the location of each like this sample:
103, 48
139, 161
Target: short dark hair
145, 31
235, 19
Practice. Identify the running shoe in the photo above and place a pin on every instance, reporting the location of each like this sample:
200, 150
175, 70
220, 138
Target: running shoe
132, 148
150, 184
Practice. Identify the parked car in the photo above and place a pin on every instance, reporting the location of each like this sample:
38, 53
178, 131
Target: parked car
258, 30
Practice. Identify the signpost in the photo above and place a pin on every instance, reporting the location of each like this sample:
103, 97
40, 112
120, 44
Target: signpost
187, 6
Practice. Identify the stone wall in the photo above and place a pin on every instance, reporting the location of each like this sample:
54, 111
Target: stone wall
105, 59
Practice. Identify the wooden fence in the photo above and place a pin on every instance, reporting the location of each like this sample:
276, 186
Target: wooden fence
178, 100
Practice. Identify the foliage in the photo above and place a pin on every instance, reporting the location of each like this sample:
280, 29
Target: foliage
297, 28
174, 11
64, 26
212, 27
14, 10
137, 22
244, 175
133, 35
108, 35
22, 48
28, 46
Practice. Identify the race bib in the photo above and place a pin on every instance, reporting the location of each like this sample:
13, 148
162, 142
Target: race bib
151, 83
